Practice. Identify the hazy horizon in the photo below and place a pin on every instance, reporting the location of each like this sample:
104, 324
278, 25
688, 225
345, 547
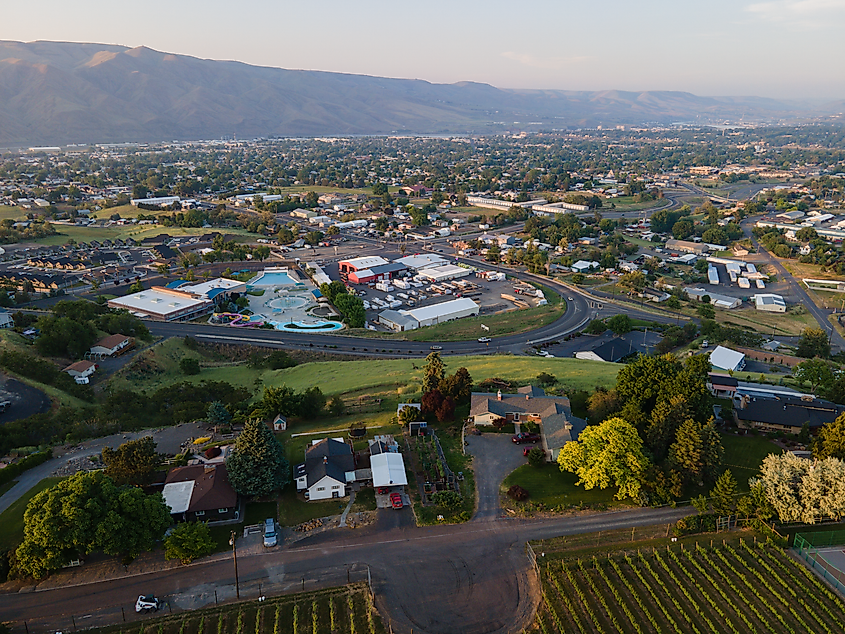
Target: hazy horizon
784, 49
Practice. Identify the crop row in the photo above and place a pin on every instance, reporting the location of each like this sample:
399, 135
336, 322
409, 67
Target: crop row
345, 611
723, 589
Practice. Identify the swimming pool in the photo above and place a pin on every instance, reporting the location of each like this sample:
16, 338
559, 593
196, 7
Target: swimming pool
272, 278
298, 326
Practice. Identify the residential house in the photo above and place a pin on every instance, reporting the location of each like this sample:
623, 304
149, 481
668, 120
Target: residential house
81, 369
111, 345
201, 493
329, 466
530, 404
721, 385
782, 412
726, 359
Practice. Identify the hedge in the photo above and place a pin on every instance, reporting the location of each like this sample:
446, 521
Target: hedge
33, 460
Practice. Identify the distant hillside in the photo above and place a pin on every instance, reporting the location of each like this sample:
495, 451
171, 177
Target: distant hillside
56, 93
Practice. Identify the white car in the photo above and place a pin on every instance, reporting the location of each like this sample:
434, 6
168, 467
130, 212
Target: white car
147, 603
484, 340
269, 532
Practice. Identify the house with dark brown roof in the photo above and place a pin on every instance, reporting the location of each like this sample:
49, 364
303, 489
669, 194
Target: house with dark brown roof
111, 345
530, 404
200, 493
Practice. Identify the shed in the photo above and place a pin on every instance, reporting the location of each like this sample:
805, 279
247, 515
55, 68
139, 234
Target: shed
388, 469
726, 359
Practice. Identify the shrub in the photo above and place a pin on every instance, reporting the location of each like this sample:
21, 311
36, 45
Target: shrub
517, 493
189, 366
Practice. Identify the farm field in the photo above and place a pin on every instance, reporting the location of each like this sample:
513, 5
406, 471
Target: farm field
344, 609
732, 588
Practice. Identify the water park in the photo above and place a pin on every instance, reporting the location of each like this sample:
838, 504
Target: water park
284, 299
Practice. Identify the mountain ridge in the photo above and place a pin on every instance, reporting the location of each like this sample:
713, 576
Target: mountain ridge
65, 92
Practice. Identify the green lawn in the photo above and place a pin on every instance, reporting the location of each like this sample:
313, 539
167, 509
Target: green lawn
744, 455
11, 521
549, 486
159, 367
293, 511
626, 203
8, 212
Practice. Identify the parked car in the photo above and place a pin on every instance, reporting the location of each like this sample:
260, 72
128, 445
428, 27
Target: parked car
396, 500
382, 490
270, 539
147, 603
484, 340
524, 437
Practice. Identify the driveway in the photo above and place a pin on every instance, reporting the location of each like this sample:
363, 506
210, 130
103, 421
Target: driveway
494, 457
168, 440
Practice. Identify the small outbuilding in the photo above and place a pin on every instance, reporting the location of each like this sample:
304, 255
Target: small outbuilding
726, 359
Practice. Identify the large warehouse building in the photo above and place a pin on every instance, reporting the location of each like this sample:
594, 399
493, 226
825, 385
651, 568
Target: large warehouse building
163, 304
179, 301
403, 320
444, 273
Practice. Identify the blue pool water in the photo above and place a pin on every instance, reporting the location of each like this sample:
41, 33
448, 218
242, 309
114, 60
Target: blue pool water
276, 278
325, 326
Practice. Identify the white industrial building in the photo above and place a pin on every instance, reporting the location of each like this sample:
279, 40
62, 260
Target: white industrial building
444, 273
161, 201
402, 320
770, 302
420, 261
726, 359
582, 266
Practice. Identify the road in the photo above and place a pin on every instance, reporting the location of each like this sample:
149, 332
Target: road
820, 314
470, 578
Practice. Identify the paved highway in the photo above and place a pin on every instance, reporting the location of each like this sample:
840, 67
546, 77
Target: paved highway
470, 578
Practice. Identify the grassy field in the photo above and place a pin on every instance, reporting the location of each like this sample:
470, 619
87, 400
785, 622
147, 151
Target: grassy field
792, 323
86, 234
744, 455
11, 520
158, 367
550, 488
734, 587
345, 609
626, 203
13, 213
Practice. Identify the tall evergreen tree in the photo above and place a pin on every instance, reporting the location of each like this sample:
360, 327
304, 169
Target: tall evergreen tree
723, 493
257, 466
433, 372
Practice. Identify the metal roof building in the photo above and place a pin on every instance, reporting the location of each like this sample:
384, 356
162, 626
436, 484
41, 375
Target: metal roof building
726, 359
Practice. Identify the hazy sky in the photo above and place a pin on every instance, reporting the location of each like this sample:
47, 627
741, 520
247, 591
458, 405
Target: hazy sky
776, 48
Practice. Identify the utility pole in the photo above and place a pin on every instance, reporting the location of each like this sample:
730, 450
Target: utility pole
235, 557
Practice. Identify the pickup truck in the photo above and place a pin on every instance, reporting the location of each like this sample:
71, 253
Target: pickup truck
524, 437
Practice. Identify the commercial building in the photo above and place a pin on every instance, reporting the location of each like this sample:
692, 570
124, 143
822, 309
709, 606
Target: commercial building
687, 247
835, 286
719, 301
217, 290
397, 320
444, 273
726, 359
420, 261
501, 205
545, 209
375, 273
160, 201
444, 311
359, 264
584, 266
770, 302
163, 304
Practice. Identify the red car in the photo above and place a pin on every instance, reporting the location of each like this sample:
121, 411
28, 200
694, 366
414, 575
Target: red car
524, 437
381, 490
396, 500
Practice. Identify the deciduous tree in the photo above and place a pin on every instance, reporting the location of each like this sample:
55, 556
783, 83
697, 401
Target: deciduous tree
830, 442
433, 372
189, 541
88, 513
813, 343
134, 462
609, 454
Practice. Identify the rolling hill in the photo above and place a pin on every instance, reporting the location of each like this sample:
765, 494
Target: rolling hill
59, 92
